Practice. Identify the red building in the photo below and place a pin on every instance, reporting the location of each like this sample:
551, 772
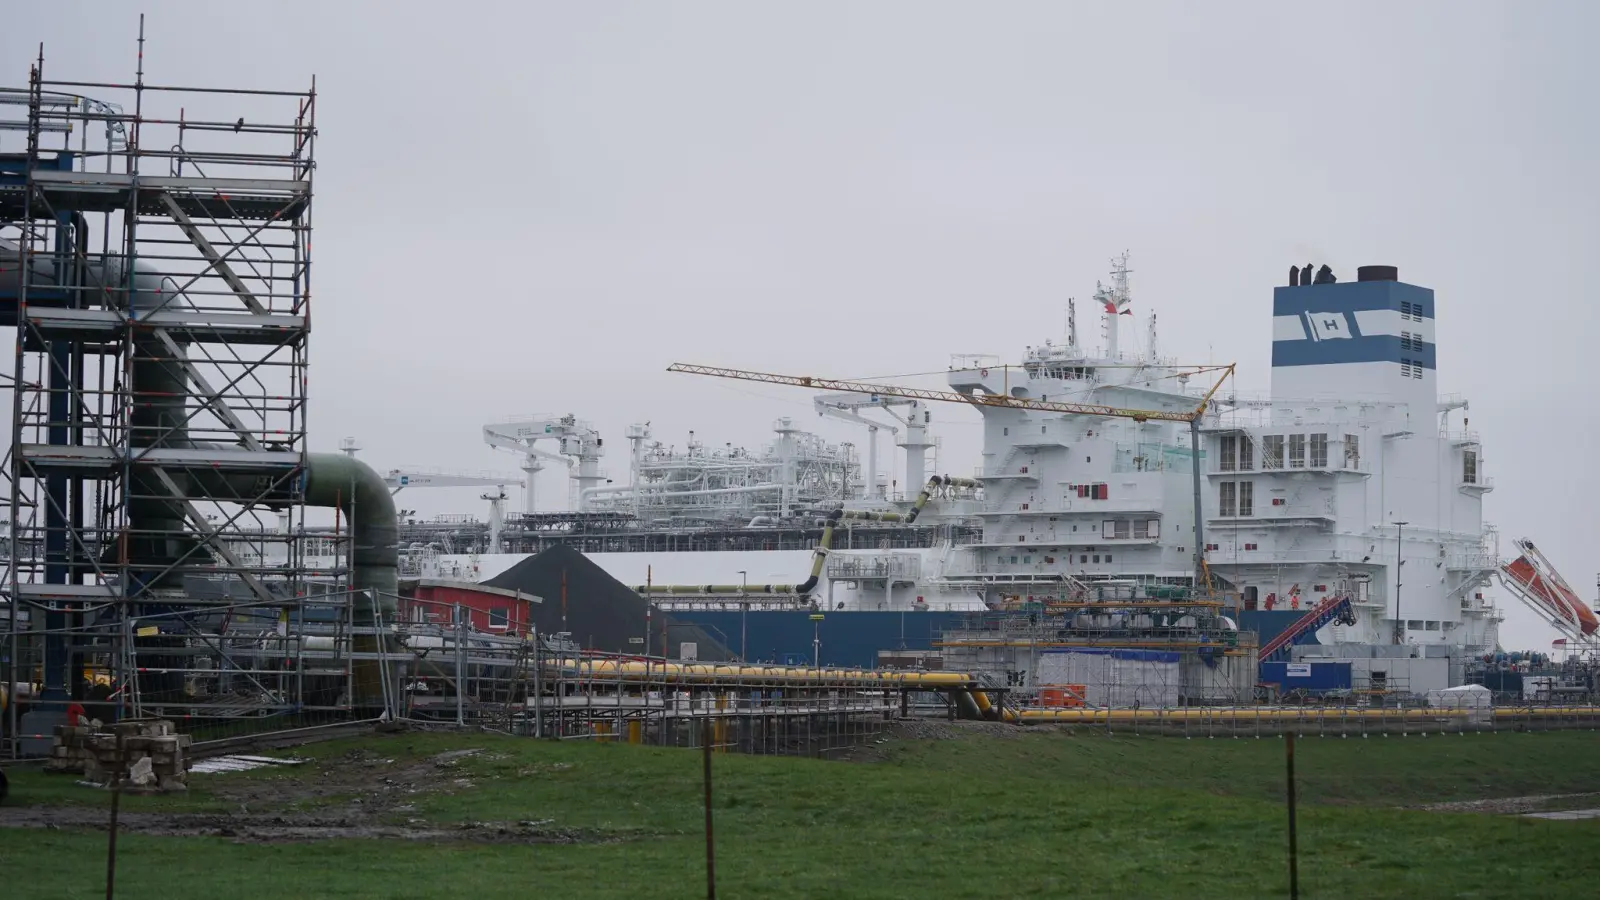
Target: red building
490, 609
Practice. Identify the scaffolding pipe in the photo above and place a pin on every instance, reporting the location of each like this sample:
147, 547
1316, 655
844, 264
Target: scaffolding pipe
159, 534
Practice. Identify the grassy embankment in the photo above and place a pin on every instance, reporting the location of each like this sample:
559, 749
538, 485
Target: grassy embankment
1037, 814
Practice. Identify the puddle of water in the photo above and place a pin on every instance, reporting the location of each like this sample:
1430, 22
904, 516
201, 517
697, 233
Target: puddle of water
1566, 814
238, 763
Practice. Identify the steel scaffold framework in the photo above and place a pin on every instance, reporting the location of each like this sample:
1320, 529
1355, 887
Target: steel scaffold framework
159, 285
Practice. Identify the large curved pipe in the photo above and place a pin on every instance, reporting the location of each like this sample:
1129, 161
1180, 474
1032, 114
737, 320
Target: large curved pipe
347, 483
355, 488
158, 533
934, 484
821, 554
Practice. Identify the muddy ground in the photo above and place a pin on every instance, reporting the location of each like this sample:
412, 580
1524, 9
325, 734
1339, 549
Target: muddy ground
361, 794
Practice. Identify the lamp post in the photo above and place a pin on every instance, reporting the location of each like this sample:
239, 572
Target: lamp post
744, 613
816, 640
1399, 560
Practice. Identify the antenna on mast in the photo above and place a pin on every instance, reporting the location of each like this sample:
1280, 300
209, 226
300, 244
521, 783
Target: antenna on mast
1115, 300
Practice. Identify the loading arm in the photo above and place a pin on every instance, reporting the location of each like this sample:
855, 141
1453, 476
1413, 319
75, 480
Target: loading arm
501, 442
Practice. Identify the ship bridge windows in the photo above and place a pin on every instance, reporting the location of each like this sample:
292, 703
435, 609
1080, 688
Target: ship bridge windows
1297, 451
1130, 529
1319, 451
1063, 373
1352, 451
1236, 498
1469, 467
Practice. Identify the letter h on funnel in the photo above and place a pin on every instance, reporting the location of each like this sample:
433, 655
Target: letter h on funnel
1328, 326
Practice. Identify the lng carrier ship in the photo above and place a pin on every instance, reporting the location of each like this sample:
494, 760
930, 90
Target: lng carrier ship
1309, 499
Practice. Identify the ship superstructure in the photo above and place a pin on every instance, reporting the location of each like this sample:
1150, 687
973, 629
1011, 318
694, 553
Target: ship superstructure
1078, 497
1355, 468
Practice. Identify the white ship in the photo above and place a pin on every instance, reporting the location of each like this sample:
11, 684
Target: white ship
1313, 497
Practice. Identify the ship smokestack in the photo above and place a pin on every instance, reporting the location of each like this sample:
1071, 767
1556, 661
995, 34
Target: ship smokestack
1378, 273
1294, 276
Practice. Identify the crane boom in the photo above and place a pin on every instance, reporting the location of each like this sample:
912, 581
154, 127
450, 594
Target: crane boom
996, 400
1191, 417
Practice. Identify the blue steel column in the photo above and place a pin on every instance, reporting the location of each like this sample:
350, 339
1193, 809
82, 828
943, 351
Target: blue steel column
57, 649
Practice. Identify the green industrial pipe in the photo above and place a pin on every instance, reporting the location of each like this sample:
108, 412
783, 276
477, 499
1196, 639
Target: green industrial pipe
355, 488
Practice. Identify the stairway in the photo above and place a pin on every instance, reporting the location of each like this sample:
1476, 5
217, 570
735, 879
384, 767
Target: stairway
1277, 649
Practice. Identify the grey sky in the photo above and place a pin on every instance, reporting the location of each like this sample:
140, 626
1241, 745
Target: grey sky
530, 207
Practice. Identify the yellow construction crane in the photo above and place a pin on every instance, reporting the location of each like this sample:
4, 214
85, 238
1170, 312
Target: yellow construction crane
997, 400
1003, 401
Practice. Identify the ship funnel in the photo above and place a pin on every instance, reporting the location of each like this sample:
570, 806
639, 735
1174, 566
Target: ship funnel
1378, 273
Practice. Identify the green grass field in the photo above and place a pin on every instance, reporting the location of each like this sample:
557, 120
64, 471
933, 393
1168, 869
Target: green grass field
1037, 814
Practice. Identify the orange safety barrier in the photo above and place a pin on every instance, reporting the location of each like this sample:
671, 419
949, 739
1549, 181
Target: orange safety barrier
1062, 696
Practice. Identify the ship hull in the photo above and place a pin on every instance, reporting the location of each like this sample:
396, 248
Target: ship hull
855, 638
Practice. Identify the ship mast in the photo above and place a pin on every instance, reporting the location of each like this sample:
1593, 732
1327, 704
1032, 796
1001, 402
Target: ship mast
1114, 301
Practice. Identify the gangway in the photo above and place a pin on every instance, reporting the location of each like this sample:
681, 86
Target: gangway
1331, 609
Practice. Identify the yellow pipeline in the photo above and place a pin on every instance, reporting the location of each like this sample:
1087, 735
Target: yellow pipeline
873, 516
933, 485
922, 498
820, 556
712, 673
985, 707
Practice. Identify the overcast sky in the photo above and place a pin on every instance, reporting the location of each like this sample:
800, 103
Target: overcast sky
535, 207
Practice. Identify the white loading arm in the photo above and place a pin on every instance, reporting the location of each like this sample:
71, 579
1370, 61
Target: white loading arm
848, 408
400, 479
501, 442
579, 450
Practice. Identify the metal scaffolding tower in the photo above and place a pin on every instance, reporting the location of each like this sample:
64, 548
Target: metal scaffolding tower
155, 262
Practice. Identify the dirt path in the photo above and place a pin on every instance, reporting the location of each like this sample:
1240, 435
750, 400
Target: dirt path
361, 794
269, 828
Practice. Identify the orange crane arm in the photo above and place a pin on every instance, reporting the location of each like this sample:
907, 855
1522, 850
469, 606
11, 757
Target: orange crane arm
997, 400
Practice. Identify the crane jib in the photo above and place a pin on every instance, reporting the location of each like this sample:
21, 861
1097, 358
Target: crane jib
995, 400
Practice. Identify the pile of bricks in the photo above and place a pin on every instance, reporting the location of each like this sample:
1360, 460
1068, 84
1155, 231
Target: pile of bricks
150, 755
